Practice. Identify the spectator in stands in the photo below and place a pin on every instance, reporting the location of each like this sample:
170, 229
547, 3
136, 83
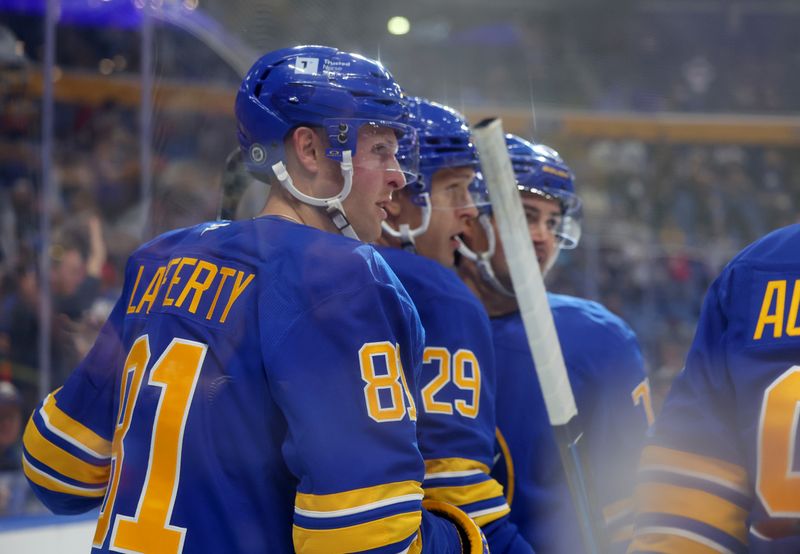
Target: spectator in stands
14, 495
10, 427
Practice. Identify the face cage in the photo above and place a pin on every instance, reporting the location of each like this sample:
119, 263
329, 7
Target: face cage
568, 233
343, 135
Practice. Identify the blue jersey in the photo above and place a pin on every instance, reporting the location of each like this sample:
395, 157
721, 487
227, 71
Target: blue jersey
247, 394
456, 425
721, 472
605, 369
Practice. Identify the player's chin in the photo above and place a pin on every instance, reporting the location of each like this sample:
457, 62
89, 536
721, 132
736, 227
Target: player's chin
447, 257
367, 231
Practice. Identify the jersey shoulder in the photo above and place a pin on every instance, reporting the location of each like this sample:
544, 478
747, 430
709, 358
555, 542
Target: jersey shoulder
285, 268
425, 278
579, 315
776, 248
755, 293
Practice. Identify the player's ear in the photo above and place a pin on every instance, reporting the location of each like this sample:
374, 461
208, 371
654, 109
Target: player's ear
305, 145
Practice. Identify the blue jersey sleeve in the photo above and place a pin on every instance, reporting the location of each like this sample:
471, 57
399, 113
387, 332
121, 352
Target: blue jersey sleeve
456, 398
67, 441
344, 377
615, 411
605, 369
693, 488
457, 418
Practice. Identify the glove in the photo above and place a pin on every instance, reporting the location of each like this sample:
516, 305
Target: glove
472, 539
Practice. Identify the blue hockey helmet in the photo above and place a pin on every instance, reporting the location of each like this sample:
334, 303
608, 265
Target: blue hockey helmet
540, 170
318, 86
444, 141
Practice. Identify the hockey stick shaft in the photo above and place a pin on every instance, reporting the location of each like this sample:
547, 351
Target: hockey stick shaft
537, 319
231, 188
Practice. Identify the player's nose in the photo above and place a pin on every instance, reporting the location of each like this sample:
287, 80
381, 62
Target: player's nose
394, 176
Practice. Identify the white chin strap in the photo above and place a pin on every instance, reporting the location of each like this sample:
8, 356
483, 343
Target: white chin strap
333, 205
406, 234
484, 259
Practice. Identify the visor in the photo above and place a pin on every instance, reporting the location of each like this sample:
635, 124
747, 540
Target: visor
401, 155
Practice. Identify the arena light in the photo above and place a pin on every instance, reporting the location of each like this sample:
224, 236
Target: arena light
106, 66
191, 4
398, 25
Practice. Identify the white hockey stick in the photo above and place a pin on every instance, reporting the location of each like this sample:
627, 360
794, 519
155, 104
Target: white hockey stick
538, 321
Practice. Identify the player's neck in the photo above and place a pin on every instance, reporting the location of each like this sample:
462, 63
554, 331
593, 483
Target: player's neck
495, 303
386, 240
281, 204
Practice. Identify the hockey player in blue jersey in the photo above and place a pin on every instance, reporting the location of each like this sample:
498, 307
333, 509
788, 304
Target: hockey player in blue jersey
251, 390
456, 419
720, 472
603, 362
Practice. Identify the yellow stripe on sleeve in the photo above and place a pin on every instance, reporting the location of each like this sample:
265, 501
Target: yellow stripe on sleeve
416, 545
73, 431
358, 497
617, 510
714, 469
670, 541
355, 538
484, 517
50, 483
60, 460
449, 465
466, 494
506, 451
693, 504
462, 495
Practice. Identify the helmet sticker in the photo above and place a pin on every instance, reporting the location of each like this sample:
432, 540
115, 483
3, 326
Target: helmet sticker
306, 66
334, 66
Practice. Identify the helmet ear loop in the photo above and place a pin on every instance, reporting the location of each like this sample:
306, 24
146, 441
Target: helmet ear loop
333, 204
484, 259
405, 233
